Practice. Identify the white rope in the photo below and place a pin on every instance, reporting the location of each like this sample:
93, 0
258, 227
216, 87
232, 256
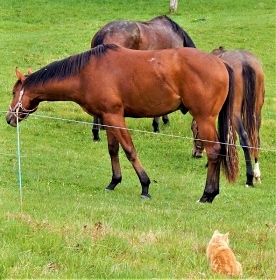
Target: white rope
150, 132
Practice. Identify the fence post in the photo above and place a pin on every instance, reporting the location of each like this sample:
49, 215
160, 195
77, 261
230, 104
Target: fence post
173, 6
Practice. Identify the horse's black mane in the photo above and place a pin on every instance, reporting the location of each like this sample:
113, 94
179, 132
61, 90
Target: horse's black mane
188, 42
67, 67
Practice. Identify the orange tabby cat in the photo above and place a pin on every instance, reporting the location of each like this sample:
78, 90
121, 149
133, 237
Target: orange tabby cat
221, 257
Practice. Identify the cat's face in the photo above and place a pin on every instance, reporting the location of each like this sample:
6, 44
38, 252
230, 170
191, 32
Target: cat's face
220, 237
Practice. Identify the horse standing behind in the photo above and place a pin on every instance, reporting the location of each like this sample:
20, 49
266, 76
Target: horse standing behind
159, 33
249, 99
106, 85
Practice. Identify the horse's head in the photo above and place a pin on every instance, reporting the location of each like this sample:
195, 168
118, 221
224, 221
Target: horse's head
21, 105
198, 147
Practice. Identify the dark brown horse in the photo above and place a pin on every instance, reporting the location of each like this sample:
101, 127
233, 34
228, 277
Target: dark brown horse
159, 33
105, 84
249, 99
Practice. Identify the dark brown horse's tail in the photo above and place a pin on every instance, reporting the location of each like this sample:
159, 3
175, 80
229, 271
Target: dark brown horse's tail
249, 117
227, 133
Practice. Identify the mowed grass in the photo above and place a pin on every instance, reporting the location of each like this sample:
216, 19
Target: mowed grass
67, 225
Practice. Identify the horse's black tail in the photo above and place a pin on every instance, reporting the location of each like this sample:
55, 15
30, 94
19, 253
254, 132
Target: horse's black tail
227, 133
249, 117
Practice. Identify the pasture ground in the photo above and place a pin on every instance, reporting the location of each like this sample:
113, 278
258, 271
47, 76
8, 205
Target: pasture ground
67, 226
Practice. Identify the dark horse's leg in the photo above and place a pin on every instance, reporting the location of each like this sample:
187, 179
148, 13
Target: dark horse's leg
165, 119
122, 136
96, 128
155, 122
244, 143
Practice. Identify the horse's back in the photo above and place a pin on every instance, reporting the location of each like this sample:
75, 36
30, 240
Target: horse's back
121, 32
158, 33
237, 57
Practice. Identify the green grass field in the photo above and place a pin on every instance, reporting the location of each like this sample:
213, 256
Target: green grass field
67, 225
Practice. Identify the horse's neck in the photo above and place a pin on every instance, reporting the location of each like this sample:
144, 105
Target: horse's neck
65, 90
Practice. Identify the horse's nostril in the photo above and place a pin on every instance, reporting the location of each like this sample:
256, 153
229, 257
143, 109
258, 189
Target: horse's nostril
8, 119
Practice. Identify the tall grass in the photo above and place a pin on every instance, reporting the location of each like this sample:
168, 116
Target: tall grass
67, 226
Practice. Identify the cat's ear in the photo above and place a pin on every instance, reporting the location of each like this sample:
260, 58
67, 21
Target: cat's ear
216, 232
226, 235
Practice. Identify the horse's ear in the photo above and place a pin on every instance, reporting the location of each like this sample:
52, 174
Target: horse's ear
19, 75
30, 71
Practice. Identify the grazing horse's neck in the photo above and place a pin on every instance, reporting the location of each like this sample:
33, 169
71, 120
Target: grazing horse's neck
66, 90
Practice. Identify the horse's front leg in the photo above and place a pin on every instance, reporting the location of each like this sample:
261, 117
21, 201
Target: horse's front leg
212, 148
155, 124
113, 149
96, 128
123, 137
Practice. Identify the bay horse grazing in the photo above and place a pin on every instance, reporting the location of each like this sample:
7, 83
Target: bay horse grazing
248, 102
158, 33
106, 85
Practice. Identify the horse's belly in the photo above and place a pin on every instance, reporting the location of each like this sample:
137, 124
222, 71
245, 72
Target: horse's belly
151, 109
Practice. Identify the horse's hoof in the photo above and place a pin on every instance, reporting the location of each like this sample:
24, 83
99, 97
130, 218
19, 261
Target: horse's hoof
107, 189
97, 140
206, 198
249, 185
146, 196
258, 180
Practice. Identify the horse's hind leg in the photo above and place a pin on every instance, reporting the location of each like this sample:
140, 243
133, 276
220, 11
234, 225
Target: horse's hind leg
212, 147
244, 143
257, 171
165, 119
115, 135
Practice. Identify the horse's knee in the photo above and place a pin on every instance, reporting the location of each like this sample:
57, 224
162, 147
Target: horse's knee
113, 149
213, 153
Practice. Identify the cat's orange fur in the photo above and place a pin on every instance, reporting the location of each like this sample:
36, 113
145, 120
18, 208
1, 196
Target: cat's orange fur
221, 257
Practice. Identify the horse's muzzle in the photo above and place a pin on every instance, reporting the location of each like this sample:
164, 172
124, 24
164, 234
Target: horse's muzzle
197, 153
11, 119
